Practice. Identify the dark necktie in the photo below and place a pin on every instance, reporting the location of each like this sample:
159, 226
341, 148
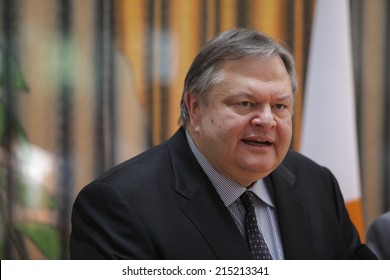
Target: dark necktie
254, 237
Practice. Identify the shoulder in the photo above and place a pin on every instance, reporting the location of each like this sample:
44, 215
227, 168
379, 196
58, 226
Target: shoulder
380, 227
385, 217
306, 173
382, 221
152, 167
144, 163
294, 157
297, 163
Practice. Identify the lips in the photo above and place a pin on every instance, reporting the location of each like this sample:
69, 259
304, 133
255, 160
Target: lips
258, 141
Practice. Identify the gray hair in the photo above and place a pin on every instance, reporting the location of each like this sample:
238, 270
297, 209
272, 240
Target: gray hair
231, 45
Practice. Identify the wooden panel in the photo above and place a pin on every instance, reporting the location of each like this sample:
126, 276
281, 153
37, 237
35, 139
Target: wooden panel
185, 28
132, 40
372, 91
267, 16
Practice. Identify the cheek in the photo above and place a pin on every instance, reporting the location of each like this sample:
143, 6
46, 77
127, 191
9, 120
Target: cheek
285, 130
210, 116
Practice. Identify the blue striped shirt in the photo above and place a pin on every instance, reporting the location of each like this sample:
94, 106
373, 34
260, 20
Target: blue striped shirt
230, 193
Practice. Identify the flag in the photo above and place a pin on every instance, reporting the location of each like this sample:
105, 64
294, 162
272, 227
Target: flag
329, 134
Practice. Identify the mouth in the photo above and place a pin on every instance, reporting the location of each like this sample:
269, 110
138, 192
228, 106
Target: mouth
258, 142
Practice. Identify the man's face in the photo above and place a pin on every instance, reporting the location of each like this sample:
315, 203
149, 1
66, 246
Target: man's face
244, 127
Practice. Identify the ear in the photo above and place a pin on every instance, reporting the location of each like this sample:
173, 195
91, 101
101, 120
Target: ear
193, 108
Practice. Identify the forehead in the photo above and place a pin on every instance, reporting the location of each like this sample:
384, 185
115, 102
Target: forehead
265, 68
259, 73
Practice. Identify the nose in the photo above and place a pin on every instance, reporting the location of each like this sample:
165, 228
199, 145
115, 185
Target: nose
264, 118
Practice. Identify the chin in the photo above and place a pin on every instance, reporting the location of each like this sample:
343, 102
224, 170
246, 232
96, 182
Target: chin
258, 167
250, 179
256, 174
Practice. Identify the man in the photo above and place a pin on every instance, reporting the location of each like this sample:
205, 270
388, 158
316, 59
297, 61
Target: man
378, 236
225, 185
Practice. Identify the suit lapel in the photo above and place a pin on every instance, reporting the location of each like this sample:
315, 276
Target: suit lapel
210, 216
293, 215
202, 205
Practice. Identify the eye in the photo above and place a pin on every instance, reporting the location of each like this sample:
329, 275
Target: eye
280, 106
246, 104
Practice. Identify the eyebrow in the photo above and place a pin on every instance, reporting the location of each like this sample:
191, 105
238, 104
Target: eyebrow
285, 97
244, 94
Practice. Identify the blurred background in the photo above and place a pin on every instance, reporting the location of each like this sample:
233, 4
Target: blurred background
87, 84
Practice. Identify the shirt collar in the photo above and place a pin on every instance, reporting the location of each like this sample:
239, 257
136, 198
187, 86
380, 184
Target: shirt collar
263, 191
228, 190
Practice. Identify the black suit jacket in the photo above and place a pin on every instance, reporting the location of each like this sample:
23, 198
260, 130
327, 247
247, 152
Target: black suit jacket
161, 205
